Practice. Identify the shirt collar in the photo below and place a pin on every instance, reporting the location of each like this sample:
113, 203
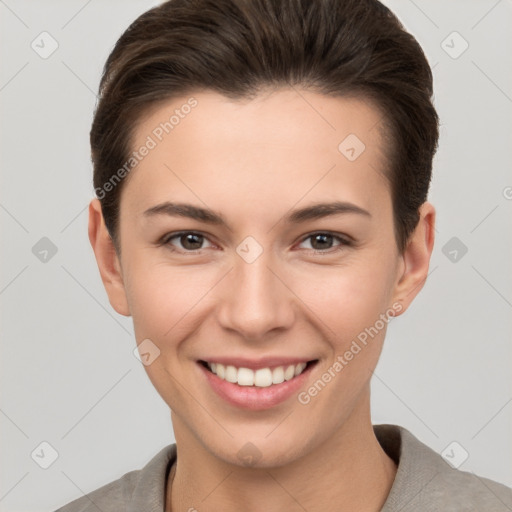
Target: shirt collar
149, 493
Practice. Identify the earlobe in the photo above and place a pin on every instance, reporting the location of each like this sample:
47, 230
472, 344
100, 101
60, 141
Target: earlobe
416, 258
107, 259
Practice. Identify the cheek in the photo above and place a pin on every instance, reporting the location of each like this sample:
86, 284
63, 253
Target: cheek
167, 301
167, 306
350, 298
164, 300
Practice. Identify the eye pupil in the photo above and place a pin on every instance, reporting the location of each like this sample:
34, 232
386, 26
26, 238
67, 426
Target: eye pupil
322, 238
189, 237
191, 242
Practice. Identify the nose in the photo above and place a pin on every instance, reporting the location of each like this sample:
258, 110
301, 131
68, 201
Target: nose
257, 300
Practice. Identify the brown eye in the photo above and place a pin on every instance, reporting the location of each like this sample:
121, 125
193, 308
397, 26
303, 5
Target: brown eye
322, 241
325, 241
188, 241
191, 241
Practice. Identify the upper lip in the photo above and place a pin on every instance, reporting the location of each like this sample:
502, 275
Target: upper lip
256, 364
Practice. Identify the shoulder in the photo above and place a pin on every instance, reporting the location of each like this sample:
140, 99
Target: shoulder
112, 496
462, 490
142, 489
425, 481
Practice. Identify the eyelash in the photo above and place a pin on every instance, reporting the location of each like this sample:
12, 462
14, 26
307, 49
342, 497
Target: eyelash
343, 241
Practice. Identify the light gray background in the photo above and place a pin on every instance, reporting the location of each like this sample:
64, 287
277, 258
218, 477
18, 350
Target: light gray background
69, 376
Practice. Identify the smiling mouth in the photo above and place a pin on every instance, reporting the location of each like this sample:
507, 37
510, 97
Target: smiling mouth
262, 377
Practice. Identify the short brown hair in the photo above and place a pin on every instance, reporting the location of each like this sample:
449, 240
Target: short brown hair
240, 47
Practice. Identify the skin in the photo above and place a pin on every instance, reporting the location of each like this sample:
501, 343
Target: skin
253, 162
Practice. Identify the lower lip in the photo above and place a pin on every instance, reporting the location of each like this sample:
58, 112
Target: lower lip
255, 398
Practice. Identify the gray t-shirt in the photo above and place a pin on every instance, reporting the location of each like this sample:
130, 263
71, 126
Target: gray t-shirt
424, 482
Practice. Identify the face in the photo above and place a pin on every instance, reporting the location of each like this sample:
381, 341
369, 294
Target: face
265, 277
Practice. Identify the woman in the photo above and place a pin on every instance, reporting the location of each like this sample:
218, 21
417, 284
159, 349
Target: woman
262, 170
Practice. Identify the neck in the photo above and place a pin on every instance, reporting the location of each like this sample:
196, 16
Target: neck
349, 471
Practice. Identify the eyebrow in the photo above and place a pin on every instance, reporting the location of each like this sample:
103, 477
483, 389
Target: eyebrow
312, 212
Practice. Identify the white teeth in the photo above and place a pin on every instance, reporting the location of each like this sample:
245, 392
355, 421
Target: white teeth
220, 370
289, 373
245, 377
278, 375
298, 368
231, 374
261, 378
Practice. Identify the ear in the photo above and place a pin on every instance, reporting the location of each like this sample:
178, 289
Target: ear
108, 261
416, 258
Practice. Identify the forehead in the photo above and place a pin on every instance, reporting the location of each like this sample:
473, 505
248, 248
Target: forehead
281, 146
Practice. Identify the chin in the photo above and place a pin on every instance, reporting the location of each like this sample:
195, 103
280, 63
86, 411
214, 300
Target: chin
261, 453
